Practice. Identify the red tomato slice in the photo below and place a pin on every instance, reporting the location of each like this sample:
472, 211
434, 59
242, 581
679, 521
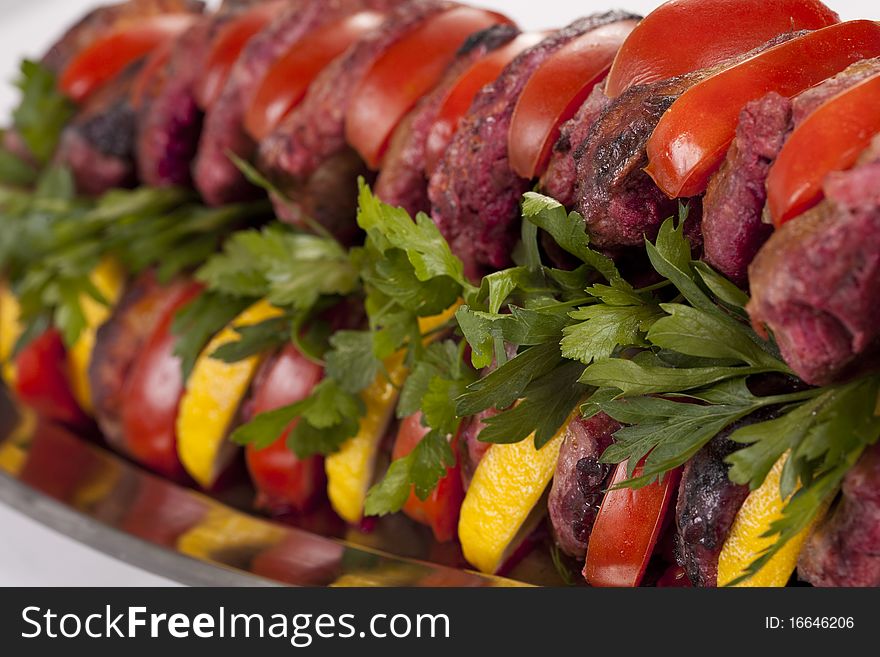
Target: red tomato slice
461, 96
690, 141
555, 92
626, 530
440, 511
406, 72
289, 79
152, 395
283, 480
227, 47
157, 60
831, 139
686, 35
42, 380
111, 54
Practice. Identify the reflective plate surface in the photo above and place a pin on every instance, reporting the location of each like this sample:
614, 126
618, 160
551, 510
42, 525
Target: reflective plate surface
90, 494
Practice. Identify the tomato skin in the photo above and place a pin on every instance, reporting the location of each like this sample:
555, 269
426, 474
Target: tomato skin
696, 29
155, 62
42, 381
152, 393
461, 96
830, 139
111, 54
555, 92
692, 138
626, 530
287, 82
404, 73
228, 46
283, 480
440, 511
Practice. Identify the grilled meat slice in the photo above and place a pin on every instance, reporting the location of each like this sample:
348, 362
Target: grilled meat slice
169, 119
618, 200
313, 136
402, 181
117, 345
98, 145
580, 481
845, 549
560, 179
474, 193
733, 225
733, 222
216, 177
103, 19
815, 281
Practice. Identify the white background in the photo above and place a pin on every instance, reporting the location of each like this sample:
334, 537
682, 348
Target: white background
31, 555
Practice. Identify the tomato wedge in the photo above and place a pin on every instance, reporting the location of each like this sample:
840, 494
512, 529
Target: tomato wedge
43, 382
284, 481
830, 139
441, 510
228, 45
157, 60
289, 79
152, 394
555, 92
461, 96
691, 140
626, 530
686, 35
404, 73
111, 54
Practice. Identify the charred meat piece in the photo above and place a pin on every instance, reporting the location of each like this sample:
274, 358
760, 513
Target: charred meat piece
118, 343
733, 226
169, 120
618, 200
99, 144
845, 549
560, 179
474, 193
402, 181
312, 138
814, 284
580, 481
733, 208
216, 177
111, 17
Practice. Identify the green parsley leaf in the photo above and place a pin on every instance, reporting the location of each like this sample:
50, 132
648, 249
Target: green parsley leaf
351, 361
199, 321
255, 340
603, 329
43, 111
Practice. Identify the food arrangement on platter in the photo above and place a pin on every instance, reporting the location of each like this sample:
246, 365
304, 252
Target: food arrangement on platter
605, 290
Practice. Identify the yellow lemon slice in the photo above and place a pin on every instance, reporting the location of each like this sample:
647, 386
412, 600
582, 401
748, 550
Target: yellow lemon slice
350, 470
109, 279
10, 331
213, 396
761, 509
504, 501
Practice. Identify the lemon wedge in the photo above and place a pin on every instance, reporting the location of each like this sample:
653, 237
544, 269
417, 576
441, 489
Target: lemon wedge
109, 279
504, 501
761, 509
350, 471
211, 401
10, 331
